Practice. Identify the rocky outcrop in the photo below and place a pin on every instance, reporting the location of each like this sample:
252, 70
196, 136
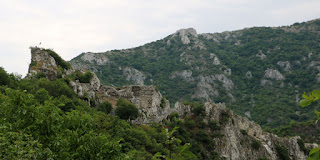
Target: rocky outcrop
185, 34
42, 61
285, 65
98, 59
134, 75
261, 55
186, 75
86, 89
239, 134
216, 60
249, 74
147, 99
273, 74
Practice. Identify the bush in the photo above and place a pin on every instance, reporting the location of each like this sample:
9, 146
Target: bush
4, 77
106, 107
256, 144
163, 102
58, 59
282, 152
126, 110
86, 77
40, 75
42, 95
302, 147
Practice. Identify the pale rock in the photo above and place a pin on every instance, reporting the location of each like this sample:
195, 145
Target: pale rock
261, 55
146, 98
186, 75
185, 34
273, 74
249, 74
134, 75
227, 71
43, 62
181, 109
265, 82
216, 60
95, 58
248, 113
285, 65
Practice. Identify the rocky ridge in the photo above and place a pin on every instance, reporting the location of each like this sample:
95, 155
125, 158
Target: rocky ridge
238, 132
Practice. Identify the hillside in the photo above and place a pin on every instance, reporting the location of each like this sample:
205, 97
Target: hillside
259, 72
59, 112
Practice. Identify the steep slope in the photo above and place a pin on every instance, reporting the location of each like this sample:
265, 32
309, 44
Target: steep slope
216, 130
259, 72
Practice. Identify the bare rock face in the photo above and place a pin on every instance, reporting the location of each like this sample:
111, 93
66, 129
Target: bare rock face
239, 134
285, 65
185, 34
86, 89
261, 55
41, 61
134, 75
206, 86
98, 59
147, 99
249, 74
273, 74
216, 60
186, 75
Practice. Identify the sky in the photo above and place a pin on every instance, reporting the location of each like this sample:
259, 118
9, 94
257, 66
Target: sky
71, 27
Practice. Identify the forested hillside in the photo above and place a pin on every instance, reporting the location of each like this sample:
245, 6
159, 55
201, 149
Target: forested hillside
259, 72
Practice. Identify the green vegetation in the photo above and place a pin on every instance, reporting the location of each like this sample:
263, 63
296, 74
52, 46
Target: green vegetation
282, 152
58, 59
307, 100
105, 107
84, 78
126, 110
41, 119
256, 144
270, 106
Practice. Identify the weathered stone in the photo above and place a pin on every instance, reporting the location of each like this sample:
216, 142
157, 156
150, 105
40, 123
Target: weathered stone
42, 61
273, 74
249, 74
186, 75
137, 77
285, 65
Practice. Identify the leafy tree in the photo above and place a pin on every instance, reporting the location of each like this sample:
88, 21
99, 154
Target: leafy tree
105, 106
42, 95
307, 100
126, 110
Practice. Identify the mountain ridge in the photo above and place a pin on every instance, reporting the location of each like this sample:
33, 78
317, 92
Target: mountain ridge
255, 70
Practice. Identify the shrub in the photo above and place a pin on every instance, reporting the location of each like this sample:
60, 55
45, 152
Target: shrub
163, 102
40, 75
83, 77
42, 95
4, 77
105, 106
86, 77
282, 152
126, 110
244, 132
302, 147
58, 59
256, 144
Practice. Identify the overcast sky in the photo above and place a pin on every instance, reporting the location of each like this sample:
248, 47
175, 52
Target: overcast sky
71, 27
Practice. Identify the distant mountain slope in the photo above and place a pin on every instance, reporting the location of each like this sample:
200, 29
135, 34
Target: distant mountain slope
259, 72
